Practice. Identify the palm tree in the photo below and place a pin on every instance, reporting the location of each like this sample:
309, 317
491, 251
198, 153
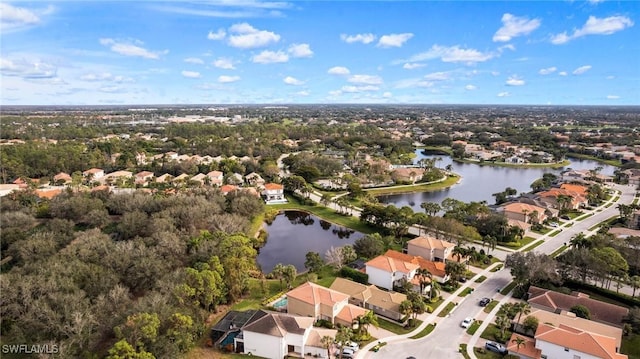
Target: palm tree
520, 342
459, 252
634, 282
363, 322
522, 308
424, 277
580, 241
435, 289
327, 342
278, 272
502, 322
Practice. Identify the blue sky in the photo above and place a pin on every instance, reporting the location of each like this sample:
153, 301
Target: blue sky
249, 51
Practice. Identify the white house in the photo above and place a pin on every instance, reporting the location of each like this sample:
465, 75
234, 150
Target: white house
565, 342
273, 193
95, 173
277, 335
386, 271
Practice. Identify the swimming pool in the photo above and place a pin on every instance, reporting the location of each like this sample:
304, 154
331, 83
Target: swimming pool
281, 303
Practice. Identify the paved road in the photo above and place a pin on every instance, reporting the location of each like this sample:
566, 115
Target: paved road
444, 341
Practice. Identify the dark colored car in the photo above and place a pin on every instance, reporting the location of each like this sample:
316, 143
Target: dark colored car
496, 347
484, 302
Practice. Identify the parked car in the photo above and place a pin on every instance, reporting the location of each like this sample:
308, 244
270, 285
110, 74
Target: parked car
350, 345
484, 301
347, 353
466, 322
495, 347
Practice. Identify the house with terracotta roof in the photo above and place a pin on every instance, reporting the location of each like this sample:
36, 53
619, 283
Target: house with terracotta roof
273, 193
200, 178
437, 269
228, 188
47, 193
524, 212
387, 272
526, 350
62, 178
381, 302
94, 173
143, 177
278, 335
164, 178
318, 302
555, 302
551, 196
565, 342
431, 249
410, 174
215, 178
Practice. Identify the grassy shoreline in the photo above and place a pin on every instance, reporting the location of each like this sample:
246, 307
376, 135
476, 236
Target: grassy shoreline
582, 156
513, 165
428, 187
326, 214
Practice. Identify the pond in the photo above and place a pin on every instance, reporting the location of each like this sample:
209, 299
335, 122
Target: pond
293, 233
478, 183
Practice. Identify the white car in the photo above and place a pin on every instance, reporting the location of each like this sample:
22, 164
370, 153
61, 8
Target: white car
466, 322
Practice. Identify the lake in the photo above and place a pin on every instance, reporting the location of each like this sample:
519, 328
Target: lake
293, 233
478, 183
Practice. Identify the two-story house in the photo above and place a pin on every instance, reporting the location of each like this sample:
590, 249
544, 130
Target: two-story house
431, 249
318, 302
387, 272
273, 193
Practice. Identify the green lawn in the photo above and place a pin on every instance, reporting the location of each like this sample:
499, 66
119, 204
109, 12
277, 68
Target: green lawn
584, 217
395, 328
631, 346
424, 332
473, 328
446, 309
483, 265
533, 246
544, 230
558, 251
463, 351
465, 292
327, 214
481, 353
518, 244
492, 304
508, 288
575, 214
491, 332
497, 268
481, 279
555, 233
429, 187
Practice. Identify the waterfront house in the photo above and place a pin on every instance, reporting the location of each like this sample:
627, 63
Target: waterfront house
387, 272
318, 302
273, 193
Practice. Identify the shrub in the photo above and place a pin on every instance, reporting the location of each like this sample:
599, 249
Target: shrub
354, 275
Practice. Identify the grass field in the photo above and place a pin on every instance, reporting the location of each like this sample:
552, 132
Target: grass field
424, 332
429, 187
447, 309
395, 328
631, 346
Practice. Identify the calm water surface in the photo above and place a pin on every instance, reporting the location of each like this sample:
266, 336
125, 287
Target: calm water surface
292, 234
478, 183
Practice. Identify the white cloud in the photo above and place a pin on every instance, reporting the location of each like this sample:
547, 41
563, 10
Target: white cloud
218, 35
595, 26
514, 26
13, 18
363, 38
438, 76
269, 57
302, 93
246, 36
191, 74
105, 76
610, 77
593, 2
129, 49
613, 97
582, 69
338, 70
413, 65
394, 40
495, 73
224, 79
224, 63
514, 81
409, 83
547, 71
470, 87
292, 81
194, 60
562, 73
504, 94
365, 79
356, 89
387, 94
27, 69
300, 50
452, 54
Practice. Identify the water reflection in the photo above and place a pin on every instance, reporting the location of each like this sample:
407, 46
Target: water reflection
288, 242
478, 183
